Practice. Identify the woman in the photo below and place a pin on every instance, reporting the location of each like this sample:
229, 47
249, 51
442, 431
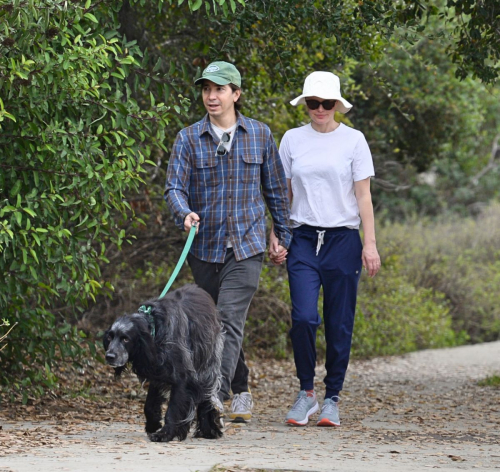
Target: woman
328, 166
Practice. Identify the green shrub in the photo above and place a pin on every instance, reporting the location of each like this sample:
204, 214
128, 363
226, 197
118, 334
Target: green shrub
459, 258
81, 111
268, 322
491, 381
74, 145
394, 317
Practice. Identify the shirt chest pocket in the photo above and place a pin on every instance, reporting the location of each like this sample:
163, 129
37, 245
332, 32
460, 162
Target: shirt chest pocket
207, 171
251, 166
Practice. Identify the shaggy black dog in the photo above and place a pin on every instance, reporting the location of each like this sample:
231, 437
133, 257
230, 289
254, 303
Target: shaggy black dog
176, 344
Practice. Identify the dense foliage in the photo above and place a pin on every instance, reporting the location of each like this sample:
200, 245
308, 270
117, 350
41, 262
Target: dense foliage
430, 126
74, 138
92, 94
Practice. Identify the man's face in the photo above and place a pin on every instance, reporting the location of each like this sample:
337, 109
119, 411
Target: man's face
219, 100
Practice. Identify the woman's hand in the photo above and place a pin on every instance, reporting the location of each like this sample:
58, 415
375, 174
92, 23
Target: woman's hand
371, 259
277, 253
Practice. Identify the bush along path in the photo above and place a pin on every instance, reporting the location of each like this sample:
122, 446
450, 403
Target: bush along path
428, 409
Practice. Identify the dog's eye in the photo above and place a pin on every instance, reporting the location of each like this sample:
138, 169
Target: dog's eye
125, 340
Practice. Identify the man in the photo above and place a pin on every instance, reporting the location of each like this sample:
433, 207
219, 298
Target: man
221, 170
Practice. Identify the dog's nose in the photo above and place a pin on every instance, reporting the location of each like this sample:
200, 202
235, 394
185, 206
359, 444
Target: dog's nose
110, 357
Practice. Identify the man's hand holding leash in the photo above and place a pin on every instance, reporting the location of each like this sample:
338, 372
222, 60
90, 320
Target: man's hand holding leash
190, 220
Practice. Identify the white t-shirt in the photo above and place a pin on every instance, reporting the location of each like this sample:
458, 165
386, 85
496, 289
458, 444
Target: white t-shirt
323, 168
219, 132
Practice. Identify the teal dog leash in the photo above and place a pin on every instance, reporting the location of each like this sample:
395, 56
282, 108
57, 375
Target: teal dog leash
147, 309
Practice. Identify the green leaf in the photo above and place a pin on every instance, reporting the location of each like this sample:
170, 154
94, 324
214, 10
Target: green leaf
33, 253
8, 115
16, 188
30, 212
91, 17
196, 4
157, 65
34, 275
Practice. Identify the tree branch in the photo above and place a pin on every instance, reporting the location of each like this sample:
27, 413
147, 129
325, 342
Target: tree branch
492, 163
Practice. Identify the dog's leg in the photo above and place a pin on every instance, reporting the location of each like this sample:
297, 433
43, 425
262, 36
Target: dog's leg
179, 416
208, 421
152, 409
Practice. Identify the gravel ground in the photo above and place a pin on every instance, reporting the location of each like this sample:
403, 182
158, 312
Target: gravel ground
405, 413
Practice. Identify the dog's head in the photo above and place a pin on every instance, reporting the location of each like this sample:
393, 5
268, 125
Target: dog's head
124, 339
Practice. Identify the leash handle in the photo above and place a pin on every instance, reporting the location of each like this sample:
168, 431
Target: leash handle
192, 233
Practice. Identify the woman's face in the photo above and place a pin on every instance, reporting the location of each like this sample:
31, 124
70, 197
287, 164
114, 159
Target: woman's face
320, 116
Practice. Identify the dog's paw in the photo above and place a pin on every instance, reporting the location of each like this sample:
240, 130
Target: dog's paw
159, 437
212, 434
153, 427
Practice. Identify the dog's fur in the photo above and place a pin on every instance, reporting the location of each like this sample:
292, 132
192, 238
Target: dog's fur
182, 359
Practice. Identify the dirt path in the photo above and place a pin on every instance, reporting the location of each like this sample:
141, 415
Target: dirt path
410, 413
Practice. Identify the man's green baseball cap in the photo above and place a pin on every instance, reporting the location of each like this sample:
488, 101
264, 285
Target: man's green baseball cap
221, 73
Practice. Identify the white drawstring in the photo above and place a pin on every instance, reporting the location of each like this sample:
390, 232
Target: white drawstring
321, 240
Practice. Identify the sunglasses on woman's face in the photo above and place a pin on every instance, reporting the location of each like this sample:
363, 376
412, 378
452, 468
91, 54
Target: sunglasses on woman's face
221, 149
326, 104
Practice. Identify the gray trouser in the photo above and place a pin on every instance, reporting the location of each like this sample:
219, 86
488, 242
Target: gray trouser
232, 285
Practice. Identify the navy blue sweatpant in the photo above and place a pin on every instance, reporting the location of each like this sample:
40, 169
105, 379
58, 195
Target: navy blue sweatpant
337, 268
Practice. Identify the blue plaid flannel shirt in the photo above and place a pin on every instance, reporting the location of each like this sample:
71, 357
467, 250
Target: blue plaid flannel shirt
227, 191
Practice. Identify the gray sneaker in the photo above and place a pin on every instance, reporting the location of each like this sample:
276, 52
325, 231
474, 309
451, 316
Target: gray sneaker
302, 409
241, 407
329, 413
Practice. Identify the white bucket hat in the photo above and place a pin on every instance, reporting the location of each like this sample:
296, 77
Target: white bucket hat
323, 85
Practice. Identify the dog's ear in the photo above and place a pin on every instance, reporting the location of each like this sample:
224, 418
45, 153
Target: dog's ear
144, 355
105, 339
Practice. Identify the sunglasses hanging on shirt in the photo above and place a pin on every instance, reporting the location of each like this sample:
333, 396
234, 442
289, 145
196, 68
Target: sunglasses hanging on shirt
221, 149
326, 104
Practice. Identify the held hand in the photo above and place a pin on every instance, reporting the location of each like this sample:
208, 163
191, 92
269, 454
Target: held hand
371, 259
277, 253
189, 220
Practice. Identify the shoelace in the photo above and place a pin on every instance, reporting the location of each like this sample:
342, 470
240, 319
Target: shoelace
242, 403
329, 407
298, 405
321, 240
